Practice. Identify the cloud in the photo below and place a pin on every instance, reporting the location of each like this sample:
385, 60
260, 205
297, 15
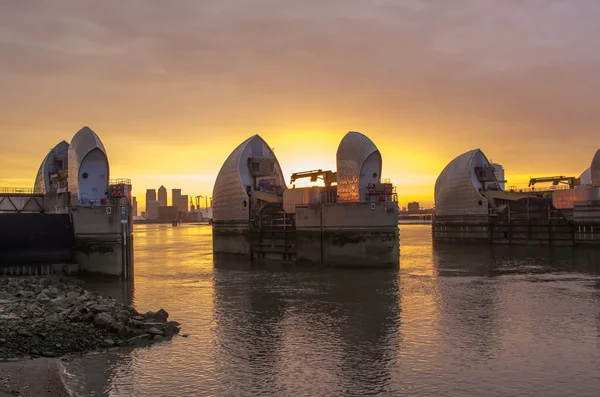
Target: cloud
514, 77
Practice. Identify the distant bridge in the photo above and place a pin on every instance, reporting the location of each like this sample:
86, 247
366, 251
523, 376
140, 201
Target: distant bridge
17, 200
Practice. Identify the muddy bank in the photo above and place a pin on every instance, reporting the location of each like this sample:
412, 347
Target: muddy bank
31, 378
55, 316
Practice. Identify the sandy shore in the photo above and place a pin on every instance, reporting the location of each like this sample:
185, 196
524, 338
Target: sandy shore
31, 378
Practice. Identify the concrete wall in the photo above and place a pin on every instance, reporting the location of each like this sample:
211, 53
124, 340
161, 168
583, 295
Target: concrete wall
56, 203
231, 239
100, 220
99, 254
103, 243
348, 234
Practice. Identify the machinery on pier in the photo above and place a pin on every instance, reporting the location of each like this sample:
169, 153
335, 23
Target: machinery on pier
555, 180
328, 177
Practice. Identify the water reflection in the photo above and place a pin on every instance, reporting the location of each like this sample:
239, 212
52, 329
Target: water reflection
453, 320
297, 331
495, 260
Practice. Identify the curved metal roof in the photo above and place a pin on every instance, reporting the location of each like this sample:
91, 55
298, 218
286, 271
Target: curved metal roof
595, 169
229, 192
42, 180
83, 142
586, 177
457, 187
353, 151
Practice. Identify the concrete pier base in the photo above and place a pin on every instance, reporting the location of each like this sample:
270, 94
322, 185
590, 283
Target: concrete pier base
231, 240
352, 248
105, 254
348, 234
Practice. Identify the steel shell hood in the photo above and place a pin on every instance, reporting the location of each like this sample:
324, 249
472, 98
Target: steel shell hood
457, 188
230, 200
586, 177
352, 154
42, 180
595, 169
84, 142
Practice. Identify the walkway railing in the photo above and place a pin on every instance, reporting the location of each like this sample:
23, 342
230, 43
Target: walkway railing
16, 190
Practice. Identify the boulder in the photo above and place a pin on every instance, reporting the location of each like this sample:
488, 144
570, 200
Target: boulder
61, 302
42, 297
152, 324
172, 327
158, 338
103, 320
162, 314
123, 316
155, 331
25, 294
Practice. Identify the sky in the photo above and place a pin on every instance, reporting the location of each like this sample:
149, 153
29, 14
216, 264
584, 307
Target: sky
172, 87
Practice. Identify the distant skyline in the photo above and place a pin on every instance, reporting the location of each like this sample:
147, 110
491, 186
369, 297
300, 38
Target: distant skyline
173, 87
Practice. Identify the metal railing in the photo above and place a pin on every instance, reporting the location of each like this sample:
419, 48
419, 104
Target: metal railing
117, 181
513, 189
16, 190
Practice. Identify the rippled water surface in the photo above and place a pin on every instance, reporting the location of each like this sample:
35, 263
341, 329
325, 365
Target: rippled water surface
453, 321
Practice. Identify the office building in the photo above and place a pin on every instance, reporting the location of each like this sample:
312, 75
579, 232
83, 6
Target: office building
176, 198
134, 204
152, 209
162, 196
183, 203
150, 196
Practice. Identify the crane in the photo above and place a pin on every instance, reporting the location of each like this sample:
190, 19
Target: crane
328, 177
567, 180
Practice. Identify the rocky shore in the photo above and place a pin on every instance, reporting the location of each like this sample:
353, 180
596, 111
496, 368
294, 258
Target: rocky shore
54, 316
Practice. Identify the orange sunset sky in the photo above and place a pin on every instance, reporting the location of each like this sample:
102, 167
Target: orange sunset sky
172, 87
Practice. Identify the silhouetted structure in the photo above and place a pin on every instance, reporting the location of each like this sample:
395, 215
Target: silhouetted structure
162, 196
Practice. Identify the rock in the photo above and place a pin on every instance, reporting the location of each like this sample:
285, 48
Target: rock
158, 338
99, 308
25, 333
152, 325
162, 314
123, 316
108, 342
73, 295
127, 332
61, 302
42, 297
2, 341
58, 345
172, 327
135, 323
49, 353
149, 315
51, 292
138, 318
25, 294
84, 298
103, 320
185, 335
136, 341
155, 331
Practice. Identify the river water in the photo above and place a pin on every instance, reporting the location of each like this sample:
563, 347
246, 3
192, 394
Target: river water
452, 321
